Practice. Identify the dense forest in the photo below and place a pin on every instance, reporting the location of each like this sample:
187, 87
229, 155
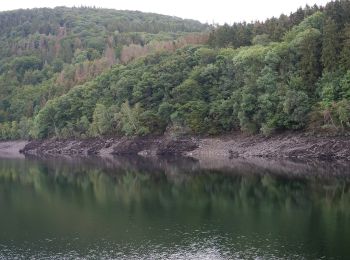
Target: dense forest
46, 52
84, 72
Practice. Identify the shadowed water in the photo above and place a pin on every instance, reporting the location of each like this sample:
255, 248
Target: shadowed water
137, 208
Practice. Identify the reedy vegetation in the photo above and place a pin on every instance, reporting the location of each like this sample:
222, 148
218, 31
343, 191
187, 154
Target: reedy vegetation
290, 73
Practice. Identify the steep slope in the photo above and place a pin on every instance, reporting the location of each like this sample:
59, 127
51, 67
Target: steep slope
45, 52
300, 81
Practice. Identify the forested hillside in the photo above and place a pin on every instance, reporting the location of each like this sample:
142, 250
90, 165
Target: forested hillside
46, 52
287, 73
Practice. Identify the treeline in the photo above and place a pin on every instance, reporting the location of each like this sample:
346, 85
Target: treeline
301, 82
80, 19
274, 29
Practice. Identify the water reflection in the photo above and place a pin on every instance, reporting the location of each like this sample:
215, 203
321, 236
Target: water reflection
173, 208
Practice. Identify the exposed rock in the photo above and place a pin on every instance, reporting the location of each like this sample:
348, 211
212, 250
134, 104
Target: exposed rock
234, 146
117, 146
279, 146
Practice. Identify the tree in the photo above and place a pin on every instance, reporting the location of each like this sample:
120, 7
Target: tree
222, 117
342, 109
296, 106
268, 101
261, 39
25, 126
309, 49
330, 45
130, 118
345, 52
82, 126
165, 110
345, 86
101, 121
46, 123
247, 111
187, 91
193, 114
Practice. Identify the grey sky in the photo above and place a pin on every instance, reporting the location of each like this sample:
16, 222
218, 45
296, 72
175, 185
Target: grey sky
218, 11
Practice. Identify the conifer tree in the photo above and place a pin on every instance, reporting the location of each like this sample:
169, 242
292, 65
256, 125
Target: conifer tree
345, 52
330, 46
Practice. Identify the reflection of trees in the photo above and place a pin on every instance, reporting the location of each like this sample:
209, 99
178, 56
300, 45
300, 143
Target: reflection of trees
153, 190
165, 182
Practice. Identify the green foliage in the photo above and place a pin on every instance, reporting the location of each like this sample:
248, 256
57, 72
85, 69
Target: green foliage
46, 122
131, 119
222, 117
102, 121
261, 39
25, 126
290, 73
309, 49
345, 86
296, 106
49, 51
274, 29
330, 45
83, 125
193, 115
345, 50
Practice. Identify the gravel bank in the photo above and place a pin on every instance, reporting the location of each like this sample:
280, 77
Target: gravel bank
297, 146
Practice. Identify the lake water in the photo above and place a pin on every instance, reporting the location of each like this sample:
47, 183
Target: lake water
173, 208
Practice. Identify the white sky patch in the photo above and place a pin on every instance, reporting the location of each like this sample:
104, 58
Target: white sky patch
214, 11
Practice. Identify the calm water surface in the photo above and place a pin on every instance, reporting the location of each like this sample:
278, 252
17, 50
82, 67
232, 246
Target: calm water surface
134, 208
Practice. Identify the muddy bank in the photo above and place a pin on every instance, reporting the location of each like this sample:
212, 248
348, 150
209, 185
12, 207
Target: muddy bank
11, 149
235, 146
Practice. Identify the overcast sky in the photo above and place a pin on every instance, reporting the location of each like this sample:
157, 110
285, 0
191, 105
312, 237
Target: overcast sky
218, 11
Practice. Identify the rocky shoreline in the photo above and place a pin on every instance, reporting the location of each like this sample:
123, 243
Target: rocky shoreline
298, 146
145, 146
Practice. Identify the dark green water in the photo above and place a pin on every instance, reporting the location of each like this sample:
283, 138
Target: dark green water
173, 209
